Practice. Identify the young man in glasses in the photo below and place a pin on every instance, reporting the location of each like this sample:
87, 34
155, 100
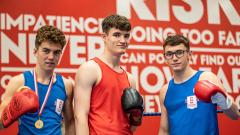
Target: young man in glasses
188, 102
46, 97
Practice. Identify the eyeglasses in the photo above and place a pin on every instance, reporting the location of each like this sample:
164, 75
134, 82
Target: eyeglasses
178, 54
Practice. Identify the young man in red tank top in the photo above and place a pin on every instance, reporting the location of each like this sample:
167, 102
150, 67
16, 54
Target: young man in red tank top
100, 82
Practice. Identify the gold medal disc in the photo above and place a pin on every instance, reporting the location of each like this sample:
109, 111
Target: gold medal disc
39, 124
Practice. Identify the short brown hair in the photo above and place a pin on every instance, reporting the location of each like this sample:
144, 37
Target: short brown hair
174, 40
50, 34
116, 21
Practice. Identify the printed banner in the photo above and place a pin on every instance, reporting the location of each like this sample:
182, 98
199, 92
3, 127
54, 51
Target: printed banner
213, 28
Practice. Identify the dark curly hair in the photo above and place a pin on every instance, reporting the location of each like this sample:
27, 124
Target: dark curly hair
174, 40
50, 34
116, 21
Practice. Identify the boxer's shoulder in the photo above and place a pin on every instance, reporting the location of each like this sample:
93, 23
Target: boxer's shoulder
15, 83
89, 72
89, 65
206, 74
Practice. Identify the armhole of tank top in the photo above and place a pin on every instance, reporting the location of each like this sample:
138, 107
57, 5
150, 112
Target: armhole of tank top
166, 93
26, 75
24, 78
60, 79
101, 72
199, 74
126, 74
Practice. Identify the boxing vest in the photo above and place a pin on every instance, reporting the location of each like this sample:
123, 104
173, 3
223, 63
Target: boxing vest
52, 113
186, 114
106, 116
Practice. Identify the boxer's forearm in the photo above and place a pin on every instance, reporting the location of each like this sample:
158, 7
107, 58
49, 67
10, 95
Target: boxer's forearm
133, 128
1, 125
70, 128
81, 127
163, 132
232, 112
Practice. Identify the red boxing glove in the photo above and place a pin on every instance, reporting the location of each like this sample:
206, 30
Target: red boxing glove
23, 101
209, 92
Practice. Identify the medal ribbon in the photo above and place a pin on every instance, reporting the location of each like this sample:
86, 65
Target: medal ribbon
48, 91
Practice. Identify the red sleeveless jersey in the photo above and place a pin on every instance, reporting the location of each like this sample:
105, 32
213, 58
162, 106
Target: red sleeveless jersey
106, 116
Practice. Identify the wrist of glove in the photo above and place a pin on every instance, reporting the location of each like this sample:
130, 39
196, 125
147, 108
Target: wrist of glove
135, 117
224, 102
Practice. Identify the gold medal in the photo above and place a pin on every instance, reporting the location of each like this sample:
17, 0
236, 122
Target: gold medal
39, 124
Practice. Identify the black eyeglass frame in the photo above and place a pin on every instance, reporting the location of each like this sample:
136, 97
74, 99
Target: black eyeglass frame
178, 54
